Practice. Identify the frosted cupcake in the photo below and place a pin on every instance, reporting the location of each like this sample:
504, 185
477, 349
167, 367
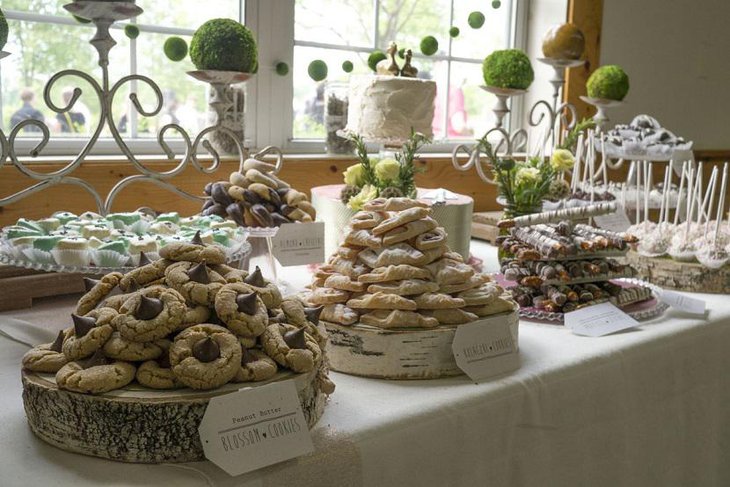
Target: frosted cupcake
72, 252
111, 254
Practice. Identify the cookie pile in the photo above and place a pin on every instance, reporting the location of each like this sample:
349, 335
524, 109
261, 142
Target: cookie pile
563, 266
394, 270
256, 197
185, 320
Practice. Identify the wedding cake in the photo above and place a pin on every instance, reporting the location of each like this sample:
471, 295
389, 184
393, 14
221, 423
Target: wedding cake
387, 107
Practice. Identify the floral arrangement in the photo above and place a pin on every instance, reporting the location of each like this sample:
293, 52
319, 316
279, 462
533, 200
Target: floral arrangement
525, 184
386, 177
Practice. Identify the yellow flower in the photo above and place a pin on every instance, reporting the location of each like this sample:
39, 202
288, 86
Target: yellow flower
353, 175
366, 194
562, 160
387, 170
527, 175
374, 161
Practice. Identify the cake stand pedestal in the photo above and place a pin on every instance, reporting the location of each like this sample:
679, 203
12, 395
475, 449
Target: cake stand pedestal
136, 424
601, 105
668, 273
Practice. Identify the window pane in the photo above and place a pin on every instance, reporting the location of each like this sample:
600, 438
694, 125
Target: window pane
187, 14
346, 23
494, 34
406, 22
184, 97
45, 7
470, 107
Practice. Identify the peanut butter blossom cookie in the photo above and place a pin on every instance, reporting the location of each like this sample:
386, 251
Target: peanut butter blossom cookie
183, 321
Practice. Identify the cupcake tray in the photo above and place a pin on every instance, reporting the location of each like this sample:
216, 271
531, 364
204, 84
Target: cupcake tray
148, 426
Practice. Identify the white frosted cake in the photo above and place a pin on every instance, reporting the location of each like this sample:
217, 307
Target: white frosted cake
387, 107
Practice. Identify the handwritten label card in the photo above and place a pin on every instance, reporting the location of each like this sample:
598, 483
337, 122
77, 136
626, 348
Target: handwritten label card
486, 347
252, 428
615, 222
299, 244
682, 302
598, 320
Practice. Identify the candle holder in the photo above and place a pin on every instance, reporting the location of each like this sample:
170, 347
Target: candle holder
601, 104
501, 109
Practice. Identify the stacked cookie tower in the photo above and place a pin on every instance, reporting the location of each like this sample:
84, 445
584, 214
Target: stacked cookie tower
394, 270
256, 197
562, 266
186, 319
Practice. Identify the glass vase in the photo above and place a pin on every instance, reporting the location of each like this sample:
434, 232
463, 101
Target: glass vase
335, 118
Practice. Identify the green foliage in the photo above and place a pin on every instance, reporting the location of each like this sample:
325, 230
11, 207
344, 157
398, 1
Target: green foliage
282, 69
317, 70
429, 45
131, 31
508, 68
454, 32
571, 140
3, 30
374, 58
608, 82
476, 20
225, 45
175, 48
347, 66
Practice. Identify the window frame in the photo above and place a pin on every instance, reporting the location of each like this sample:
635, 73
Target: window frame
269, 109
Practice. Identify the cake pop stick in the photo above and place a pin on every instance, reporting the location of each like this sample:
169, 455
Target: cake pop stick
603, 164
637, 208
647, 187
576, 167
720, 205
662, 207
709, 194
691, 183
681, 190
577, 213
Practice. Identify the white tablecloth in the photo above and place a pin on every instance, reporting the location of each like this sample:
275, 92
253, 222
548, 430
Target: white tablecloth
648, 407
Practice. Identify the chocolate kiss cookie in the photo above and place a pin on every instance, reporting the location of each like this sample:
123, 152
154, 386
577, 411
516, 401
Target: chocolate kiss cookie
295, 339
255, 278
193, 251
195, 281
97, 291
148, 308
47, 357
89, 333
206, 350
276, 346
143, 260
313, 314
268, 291
95, 375
241, 309
89, 284
255, 366
196, 240
199, 273
82, 324
246, 303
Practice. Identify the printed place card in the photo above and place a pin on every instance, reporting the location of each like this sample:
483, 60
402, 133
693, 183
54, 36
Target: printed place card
255, 427
684, 303
598, 320
616, 222
299, 244
486, 347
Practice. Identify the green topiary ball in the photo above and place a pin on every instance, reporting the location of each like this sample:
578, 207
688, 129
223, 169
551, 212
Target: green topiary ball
3, 30
402, 53
476, 20
224, 45
608, 82
175, 48
429, 45
509, 68
282, 69
496, 4
132, 31
454, 32
347, 67
374, 58
317, 70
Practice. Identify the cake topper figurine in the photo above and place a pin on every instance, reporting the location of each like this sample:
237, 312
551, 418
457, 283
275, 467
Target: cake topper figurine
408, 70
393, 68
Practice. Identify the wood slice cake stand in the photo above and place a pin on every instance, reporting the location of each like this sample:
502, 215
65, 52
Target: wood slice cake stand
405, 353
683, 276
136, 424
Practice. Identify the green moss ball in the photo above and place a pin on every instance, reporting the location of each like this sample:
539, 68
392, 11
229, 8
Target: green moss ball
224, 45
131, 31
509, 68
175, 48
608, 82
317, 70
3, 30
496, 4
476, 20
429, 45
347, 67
454, 32
402, 53
282, 69
374, 58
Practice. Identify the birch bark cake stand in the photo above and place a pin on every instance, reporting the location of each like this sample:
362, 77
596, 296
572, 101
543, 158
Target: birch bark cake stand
136, 424
380, 353
682, 276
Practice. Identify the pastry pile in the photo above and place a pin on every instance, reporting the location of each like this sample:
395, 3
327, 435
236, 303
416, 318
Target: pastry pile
560, 267
256, 197
394, 270
185, 320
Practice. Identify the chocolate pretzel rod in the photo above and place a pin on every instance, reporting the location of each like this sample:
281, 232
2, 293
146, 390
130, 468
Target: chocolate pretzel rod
570, 240
577, 213
547, 246
626, 237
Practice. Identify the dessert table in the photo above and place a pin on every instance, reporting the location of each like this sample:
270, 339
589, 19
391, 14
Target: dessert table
643, 407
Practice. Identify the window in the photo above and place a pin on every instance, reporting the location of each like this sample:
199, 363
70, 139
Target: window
44, 39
